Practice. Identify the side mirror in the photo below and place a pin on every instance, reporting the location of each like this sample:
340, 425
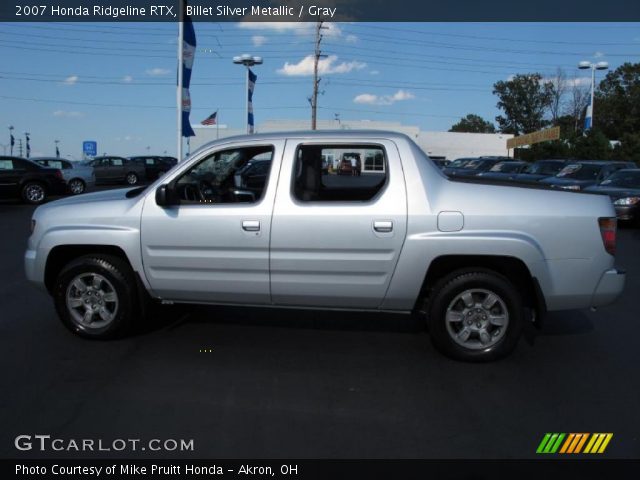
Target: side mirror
163, 196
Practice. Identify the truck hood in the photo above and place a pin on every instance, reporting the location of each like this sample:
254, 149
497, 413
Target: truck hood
105, 196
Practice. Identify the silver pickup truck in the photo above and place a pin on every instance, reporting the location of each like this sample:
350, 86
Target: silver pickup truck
476, 260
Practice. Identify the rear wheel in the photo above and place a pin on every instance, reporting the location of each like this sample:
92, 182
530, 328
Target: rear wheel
77, 186
34, 193
94, 296
131, 178
475, 316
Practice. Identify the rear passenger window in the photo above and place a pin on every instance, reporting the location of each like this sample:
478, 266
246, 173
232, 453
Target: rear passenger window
116, 162
6, 165
355, 173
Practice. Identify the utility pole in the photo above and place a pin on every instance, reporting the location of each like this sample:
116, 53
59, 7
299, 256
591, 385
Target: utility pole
20, 146
316, 80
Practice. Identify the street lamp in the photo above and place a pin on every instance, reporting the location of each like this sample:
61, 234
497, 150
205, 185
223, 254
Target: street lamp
57, 151
27, 145
248, 61
584, 65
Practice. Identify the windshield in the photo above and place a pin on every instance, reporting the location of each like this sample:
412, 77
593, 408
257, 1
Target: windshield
459, 163
544, 168
476, 164
623, 179
506, 167
580, 171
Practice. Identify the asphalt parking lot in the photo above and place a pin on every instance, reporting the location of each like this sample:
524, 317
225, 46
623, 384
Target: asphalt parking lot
299, 384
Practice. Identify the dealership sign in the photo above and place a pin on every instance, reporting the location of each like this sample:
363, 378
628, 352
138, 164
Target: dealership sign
534, 137
89, 148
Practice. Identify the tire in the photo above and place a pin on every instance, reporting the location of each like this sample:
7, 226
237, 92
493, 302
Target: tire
131, 178
33, 193
77, 186
475, 316
106, 307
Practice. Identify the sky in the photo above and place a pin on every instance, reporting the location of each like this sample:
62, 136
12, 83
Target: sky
115, 82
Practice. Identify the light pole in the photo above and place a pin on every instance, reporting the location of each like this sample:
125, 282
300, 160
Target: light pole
11, 140
584, 65
27, 145
57, 150
248, 61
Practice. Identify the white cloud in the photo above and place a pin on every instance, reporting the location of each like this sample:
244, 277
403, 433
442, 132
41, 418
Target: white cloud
351, 38
374, 72
157, 72
70, 80
598, 55
258, 40
127, 79
326, 66
329, 29
371, 99
68, 114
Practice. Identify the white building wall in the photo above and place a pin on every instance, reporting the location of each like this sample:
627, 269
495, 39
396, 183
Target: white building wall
450, 145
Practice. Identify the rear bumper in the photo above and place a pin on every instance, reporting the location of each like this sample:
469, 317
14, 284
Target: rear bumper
609, 287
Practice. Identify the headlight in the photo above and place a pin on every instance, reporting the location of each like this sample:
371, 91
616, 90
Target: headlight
571, 187
627, 201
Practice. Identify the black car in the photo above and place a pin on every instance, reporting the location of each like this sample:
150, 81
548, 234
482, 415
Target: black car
504, 170
581, 174
26, 180
538, 170
623, 187
440, 162
253, 176
154, 166
472, 167
117, 170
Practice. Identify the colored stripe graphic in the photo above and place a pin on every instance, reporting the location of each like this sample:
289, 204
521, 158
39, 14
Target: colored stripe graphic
573, 443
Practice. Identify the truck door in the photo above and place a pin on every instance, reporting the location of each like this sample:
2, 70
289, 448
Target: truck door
336, 239
214, 245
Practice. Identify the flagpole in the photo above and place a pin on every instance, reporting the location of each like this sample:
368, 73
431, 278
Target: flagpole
179, 89
247, 94
217, 124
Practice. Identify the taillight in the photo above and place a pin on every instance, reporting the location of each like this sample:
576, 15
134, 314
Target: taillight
58, 174
608, 232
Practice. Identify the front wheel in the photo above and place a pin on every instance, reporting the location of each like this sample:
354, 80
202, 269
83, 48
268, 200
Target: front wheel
475, 316
131, 178
94, 296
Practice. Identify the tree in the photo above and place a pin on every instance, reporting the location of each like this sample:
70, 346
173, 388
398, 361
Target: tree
577, 103
557, 97
524, 100
594, 145
473, 124
629, 148
617, 103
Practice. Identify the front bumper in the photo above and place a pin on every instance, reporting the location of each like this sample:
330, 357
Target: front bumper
609, 287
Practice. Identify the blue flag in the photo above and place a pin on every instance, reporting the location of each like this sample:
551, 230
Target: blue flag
188, 53
588, 118
252, 85
13, 140
28, 146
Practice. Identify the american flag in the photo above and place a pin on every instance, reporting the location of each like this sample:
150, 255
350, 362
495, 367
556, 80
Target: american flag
211, 119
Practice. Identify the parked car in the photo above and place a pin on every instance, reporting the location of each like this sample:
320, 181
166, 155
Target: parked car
26, 180
253, 176
474, 166
440, 162
504, 170
623, 187
407, 240
581, 174
79, 177
154, 166
538, 170
117, 170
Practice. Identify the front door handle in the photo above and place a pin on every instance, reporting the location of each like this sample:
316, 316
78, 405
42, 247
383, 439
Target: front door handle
251, 225
383, 226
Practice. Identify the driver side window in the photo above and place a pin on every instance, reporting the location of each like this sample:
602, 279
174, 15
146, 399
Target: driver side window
220, 177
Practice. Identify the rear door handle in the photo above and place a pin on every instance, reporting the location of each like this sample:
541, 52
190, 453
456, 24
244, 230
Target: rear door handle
383, 226
251, 225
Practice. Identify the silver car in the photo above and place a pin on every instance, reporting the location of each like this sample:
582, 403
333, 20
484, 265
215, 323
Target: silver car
477, 261
79, 177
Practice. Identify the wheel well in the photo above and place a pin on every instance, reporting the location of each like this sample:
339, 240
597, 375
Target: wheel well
63, 254
511, 267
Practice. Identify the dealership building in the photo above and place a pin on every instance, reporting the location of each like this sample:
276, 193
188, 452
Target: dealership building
449, 145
